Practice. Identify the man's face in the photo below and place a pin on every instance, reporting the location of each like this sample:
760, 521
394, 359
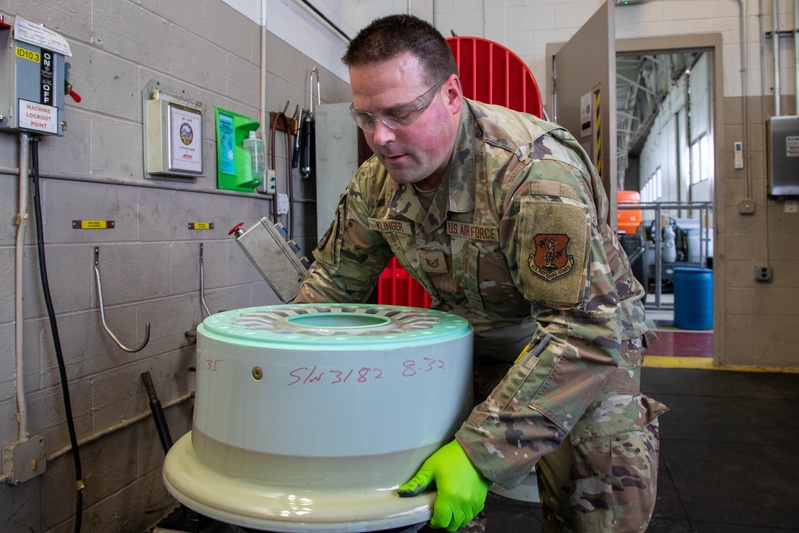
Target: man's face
420, 151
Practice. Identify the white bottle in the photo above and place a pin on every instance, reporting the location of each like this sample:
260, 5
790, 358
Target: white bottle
255, 146
669, 246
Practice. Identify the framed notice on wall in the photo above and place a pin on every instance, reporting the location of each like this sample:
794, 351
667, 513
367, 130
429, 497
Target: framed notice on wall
185, 140
173, 133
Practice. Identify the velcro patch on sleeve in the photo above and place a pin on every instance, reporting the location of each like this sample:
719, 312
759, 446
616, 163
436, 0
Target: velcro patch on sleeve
553, 250
328, 249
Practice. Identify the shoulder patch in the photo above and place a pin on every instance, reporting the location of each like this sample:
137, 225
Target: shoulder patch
554, 240
551, 258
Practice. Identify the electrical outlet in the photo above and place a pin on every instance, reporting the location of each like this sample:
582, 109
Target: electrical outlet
23, 460
282, 203
746, 206
763, 273
791, 206
271, 181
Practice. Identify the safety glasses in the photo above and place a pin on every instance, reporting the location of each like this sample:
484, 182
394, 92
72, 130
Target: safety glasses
399, 116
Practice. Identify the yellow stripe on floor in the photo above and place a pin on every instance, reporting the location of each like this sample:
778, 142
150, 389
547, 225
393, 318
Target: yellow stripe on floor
705, 363
669, 361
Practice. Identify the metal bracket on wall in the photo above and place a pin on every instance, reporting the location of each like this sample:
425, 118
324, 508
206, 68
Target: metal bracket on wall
202, 283
102, 309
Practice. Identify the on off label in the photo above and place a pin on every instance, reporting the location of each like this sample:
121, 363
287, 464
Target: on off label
28, 54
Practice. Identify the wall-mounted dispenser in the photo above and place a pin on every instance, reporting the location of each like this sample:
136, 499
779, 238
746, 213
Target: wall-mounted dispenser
234, 160
255, 146
32, 78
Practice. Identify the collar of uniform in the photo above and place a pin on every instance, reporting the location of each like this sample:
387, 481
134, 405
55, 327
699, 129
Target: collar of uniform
456, 192
403, 201
461, 173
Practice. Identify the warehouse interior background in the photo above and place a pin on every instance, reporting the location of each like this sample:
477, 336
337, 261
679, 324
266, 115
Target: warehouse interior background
164, 253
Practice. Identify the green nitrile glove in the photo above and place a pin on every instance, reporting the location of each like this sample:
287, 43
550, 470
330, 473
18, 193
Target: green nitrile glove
462, 490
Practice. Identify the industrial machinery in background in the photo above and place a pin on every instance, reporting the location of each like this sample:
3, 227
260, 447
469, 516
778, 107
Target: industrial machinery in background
683, 242
656, 243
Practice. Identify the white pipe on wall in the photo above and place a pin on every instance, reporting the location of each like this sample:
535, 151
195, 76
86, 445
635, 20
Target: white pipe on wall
796, 56
745, 91
775, 40
264, 133
22, 224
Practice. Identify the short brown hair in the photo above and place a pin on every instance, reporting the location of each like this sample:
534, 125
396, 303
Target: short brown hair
389, 36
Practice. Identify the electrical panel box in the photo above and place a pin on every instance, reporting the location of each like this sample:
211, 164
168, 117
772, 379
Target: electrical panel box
32, 78
782, 159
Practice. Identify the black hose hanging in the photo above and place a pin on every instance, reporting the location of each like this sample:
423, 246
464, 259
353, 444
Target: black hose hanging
73, 438
158, 413
307, 146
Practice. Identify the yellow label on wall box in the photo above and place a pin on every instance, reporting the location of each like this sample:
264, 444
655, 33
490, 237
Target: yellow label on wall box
30, 55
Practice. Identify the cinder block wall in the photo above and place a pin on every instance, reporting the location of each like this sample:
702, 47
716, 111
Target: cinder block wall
149, 262
758, 319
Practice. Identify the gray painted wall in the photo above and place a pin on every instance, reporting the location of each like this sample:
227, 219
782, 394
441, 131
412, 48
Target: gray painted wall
149, 262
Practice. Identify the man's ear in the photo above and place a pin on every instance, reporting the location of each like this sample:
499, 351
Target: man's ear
453, 93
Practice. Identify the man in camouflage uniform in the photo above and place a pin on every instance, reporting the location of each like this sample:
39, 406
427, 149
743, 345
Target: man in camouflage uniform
502, 219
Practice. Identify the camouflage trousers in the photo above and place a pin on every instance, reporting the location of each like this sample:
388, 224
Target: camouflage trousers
606, 484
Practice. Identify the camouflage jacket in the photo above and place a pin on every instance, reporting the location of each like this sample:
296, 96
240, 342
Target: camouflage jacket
515, 238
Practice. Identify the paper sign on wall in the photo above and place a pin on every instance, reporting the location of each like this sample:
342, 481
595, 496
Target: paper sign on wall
36, 116
185, 139
585, 115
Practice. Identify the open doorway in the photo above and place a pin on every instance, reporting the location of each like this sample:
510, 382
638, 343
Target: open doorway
669, 156
665, 165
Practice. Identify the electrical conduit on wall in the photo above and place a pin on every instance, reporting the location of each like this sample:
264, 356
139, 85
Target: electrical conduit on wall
775, 40
22, 224
745, 94
262, 103
796, 55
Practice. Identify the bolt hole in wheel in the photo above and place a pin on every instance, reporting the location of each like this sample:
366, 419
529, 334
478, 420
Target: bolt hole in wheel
308, 417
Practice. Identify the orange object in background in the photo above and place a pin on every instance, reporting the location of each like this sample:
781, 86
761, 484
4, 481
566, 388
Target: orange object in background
628, 220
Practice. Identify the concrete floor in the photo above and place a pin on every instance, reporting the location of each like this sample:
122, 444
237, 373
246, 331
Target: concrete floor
729, 456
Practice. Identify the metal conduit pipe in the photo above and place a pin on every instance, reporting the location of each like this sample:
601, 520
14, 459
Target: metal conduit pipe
263, 75
117, 427
745, 91
22, 224
796, 56
775, 41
